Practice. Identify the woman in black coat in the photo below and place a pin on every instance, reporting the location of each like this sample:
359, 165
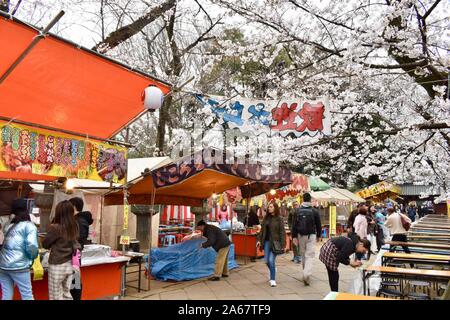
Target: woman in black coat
338, 250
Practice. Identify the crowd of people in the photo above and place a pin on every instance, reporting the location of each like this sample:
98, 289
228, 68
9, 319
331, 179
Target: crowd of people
368, 227
65, 238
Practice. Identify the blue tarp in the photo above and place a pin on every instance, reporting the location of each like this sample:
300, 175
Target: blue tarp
186, 261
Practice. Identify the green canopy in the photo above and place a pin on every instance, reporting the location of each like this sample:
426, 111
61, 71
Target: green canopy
317, 184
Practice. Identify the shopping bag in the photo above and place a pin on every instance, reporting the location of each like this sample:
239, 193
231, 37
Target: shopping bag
38, 270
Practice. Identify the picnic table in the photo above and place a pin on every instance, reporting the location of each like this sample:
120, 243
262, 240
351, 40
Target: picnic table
419, 245
417, 250
435, 259
404, 273
427, 226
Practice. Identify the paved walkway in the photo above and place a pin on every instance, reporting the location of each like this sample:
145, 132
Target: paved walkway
248, 282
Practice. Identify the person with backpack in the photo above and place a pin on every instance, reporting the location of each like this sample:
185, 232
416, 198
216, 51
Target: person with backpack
306, 230
61, 239
20, 248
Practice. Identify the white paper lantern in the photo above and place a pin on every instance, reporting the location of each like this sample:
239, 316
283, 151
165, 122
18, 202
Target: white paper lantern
152, 97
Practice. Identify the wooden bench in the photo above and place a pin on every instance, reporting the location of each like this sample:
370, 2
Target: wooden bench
403, 273
435, 259
419, 245
430, 227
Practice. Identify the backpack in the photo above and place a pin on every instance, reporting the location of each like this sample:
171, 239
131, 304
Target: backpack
304, 221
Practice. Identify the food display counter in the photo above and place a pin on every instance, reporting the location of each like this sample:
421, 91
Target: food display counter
245, 243
102, 275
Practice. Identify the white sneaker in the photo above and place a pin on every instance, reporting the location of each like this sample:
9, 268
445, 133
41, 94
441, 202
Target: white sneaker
273, 283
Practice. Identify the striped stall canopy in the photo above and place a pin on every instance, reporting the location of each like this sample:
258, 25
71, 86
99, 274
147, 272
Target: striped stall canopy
181, 213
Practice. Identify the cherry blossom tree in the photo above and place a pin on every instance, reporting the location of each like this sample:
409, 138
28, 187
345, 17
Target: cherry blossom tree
384, 65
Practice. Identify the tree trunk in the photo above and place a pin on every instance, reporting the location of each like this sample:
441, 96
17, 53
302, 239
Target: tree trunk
163, 119
174, 69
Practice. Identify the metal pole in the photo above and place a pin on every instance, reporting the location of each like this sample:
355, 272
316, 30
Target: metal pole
33, 43
101, 219
16, 7
149, 269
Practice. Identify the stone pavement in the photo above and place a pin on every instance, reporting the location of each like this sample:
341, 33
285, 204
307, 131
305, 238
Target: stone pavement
248, 282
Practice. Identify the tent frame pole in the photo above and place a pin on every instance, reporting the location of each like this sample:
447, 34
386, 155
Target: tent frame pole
149, 269
30, 47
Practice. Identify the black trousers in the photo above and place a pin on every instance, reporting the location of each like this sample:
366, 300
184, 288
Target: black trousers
380, 238
333, 279
401, 238
76, 293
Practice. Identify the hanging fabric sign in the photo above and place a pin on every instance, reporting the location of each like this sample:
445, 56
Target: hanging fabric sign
37, 151
286, 116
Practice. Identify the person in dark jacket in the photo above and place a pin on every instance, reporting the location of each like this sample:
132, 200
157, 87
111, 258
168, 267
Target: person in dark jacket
297, 258
338, 250
61, 239
411, 211
306, 231
217, 239
351, 219
273, 238
84, 220
252, 219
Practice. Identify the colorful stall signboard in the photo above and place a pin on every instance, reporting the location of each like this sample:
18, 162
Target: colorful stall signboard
286, 116
377, 189
37, 151
332, 220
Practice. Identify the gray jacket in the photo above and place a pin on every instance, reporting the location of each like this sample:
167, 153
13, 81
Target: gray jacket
20, 247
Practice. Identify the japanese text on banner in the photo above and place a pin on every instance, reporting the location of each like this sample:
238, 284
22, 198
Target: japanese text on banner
25, 149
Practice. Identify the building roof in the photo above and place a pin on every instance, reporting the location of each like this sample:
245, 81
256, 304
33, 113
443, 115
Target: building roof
410, 189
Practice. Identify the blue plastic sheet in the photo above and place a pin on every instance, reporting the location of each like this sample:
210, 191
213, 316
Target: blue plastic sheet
186, 261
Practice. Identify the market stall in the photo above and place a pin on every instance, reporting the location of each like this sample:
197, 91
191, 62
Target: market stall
50, 89
381, 191
245, 240
195, 179
334, 205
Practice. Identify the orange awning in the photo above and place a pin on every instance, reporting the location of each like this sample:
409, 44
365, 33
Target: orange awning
63, 86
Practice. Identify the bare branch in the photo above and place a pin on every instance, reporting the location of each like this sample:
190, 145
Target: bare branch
125, 32
431, 9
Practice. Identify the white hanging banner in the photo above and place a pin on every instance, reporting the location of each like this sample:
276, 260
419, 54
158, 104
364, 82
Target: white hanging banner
290, 116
